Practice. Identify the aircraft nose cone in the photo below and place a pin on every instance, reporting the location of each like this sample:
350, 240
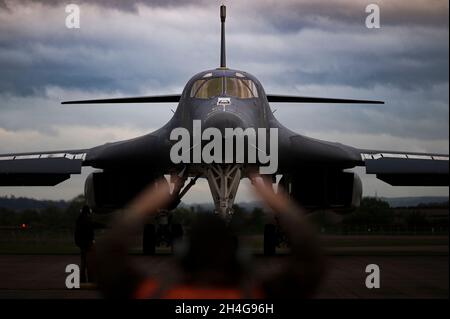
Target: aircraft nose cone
224, 120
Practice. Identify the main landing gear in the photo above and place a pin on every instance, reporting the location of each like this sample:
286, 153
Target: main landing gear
270, 239
163, 231
273, 238
160, 235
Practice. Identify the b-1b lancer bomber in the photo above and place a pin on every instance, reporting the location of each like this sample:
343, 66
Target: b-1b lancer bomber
223, 129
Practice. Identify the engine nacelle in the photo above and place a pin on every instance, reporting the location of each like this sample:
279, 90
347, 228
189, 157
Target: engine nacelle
324, 189
107, 191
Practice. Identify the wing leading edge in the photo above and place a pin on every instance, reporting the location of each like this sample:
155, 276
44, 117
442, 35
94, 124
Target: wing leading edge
40, 169
175, 98
135, 99
407, 169
311, 99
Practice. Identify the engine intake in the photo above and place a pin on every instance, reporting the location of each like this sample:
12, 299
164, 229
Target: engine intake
324, 189
107, 191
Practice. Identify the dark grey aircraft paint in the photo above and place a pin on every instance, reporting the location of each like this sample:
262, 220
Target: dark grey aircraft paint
302, 160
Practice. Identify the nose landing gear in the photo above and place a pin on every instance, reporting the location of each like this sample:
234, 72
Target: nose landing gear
223, 182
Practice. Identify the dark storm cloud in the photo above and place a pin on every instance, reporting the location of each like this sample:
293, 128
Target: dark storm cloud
124, 5
31, 62
418, 71
295, 15
290, 14
132, 50
30, 65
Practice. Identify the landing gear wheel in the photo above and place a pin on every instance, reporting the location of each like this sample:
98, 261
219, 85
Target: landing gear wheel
177, 232
149, 239
270, 239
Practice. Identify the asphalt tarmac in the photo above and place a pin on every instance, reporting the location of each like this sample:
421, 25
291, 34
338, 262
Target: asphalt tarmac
416, 276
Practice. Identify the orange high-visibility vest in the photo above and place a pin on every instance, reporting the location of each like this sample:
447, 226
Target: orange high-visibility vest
150, 288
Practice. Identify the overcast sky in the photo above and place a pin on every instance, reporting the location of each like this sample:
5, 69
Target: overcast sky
318, 48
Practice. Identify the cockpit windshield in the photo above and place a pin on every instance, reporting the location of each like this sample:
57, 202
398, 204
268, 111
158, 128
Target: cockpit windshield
205, 89
241, 88
235, 87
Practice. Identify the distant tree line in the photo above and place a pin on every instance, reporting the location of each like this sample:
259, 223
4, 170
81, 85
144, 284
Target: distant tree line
52, 217
375, 215
372, 215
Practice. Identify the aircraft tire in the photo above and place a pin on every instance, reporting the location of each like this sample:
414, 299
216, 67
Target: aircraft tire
149, 239
270, 239
177, 232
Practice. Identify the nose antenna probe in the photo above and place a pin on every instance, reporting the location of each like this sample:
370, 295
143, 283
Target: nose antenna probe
223, 15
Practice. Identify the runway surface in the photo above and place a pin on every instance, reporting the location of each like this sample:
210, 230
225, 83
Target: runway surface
427, 276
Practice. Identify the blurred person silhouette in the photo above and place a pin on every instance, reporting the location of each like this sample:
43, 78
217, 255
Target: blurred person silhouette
85, 240
210, 263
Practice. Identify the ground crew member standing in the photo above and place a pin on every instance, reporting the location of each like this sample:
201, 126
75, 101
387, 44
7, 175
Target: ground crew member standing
211, 265
85, 240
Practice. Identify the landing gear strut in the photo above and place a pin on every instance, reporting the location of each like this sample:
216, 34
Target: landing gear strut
270, 239
164, 231
223, 182
149, 239
160, 234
